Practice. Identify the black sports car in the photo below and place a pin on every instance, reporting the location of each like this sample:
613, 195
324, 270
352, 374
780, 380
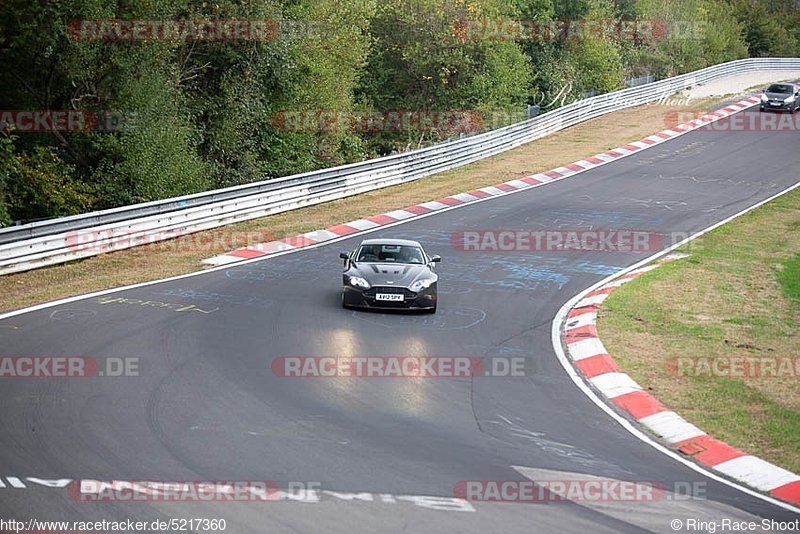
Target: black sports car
389, 274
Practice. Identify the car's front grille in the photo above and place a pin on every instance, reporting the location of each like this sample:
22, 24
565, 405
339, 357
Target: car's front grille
392, 290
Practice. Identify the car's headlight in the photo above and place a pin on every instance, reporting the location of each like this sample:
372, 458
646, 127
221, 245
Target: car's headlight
789, 100
421, 284
357, 281
764, 98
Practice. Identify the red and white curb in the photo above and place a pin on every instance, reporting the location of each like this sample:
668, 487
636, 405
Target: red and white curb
512, 186
589, 356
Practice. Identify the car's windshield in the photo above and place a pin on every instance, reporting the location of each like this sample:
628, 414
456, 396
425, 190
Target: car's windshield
390, 254
780, 88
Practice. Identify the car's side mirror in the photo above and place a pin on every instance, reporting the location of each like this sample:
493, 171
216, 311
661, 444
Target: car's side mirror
344, 255
436, 259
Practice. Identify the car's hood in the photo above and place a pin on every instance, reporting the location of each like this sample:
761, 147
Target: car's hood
777, 96
393, 274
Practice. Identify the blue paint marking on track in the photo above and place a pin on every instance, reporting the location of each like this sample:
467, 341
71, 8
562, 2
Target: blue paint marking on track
524, 274
608, 219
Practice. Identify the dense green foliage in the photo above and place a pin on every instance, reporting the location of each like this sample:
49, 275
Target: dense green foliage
202, 114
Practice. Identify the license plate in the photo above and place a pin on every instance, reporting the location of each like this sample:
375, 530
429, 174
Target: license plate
775, 104
389, 296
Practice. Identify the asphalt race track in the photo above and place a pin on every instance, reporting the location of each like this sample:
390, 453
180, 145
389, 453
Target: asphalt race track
207, 406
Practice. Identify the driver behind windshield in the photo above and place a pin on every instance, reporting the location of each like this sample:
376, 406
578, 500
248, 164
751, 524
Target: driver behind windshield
410, 255
369, 253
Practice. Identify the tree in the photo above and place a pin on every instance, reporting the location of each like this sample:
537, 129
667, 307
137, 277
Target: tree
423, 59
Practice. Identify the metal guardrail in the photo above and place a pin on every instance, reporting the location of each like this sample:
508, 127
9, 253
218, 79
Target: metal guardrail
55, 241
639, 80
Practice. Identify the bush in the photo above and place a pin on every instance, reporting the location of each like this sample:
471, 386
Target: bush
41, 185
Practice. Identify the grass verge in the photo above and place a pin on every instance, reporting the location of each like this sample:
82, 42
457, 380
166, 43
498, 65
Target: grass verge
154, 262
737, 294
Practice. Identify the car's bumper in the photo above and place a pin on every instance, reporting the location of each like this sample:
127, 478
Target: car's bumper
423, 300
782, 106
